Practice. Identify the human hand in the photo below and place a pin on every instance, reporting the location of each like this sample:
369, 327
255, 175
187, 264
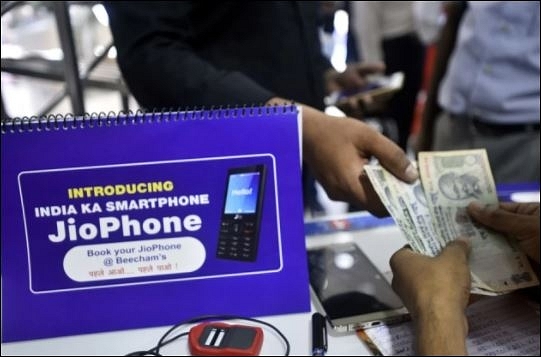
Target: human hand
518, 221
435, 290
422, 281
337, 150
354, 78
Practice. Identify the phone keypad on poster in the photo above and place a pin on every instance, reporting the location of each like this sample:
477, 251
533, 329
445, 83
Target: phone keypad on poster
237, 240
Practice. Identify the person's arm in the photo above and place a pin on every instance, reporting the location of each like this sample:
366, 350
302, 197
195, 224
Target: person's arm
436, 292
155, 43
156, 52
454, 11
519, 221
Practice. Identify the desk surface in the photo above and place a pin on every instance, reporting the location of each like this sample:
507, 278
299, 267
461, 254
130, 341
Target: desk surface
296, 327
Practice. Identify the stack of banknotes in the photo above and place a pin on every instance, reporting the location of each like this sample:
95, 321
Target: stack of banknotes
432, 212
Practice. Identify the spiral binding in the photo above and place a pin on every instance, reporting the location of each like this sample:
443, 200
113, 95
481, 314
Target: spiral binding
140, 116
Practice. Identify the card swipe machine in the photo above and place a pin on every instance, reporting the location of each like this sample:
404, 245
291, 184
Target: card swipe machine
221, 339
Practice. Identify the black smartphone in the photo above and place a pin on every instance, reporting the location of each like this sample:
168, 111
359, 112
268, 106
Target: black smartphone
241, 214
350, 290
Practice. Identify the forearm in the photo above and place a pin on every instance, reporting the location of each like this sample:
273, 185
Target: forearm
313, 127
436, 291
441, 331
312, 124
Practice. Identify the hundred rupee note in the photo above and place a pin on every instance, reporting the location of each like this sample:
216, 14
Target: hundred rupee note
453, 179
379, 181
410, 206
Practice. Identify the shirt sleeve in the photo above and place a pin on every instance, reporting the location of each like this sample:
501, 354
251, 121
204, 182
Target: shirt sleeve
368, 29
155, 45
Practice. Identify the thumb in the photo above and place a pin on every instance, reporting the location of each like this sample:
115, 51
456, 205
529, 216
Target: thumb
393, 158
459, 247
401, 257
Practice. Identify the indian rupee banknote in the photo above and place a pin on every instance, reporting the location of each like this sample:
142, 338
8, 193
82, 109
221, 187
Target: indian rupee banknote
409, 207
453, 179
432, 211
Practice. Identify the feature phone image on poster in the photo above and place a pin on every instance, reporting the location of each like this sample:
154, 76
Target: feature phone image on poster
241, 214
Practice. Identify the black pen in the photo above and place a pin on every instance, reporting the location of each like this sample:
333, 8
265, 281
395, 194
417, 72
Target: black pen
319, 335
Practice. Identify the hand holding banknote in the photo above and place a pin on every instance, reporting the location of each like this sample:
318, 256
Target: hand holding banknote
518, 221
436, 291
433, 212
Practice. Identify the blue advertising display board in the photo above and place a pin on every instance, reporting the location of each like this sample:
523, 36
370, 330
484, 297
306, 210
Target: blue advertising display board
149, 219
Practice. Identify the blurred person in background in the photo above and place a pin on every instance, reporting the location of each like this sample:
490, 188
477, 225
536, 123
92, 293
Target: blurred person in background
198, 54
386, 31
485, 86
429, 18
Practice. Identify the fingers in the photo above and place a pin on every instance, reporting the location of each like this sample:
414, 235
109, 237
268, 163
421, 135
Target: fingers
525, 208
496, 218
369, 68
357, 189
367, 99
401, 257
377, 208
508, 206
393, 158
355, 104
459, 247
528, 208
